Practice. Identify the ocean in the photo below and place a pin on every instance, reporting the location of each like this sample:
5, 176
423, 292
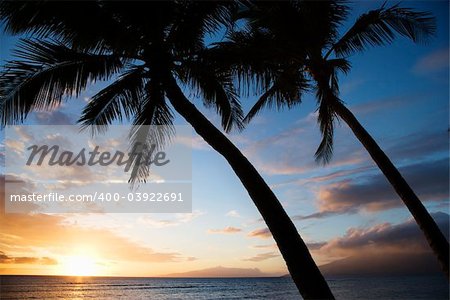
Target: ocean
348, 288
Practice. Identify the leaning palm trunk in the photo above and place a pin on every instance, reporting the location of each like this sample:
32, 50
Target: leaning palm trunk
433, 234
301, 265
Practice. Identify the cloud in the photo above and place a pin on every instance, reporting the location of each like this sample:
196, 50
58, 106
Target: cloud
279, 154
384, 238
233, 214
321, 214
263, 233
315, 246
311, 246
262, 256
419, 145
191, 258
23, 134
16, 185
350, 85
5, 259
188, 217
373, 192
177, 219
29, 232
157, 223
267, 246
15, 146
195, 142
53, 118
328, 177
336, 175
57, 177
433, 62
382, 104
226, 230
33, 231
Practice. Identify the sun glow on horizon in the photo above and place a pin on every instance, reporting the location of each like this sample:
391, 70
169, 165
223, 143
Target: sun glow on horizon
81, 263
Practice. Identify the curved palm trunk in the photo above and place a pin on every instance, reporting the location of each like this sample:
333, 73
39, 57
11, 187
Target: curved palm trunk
302, 267
433, 234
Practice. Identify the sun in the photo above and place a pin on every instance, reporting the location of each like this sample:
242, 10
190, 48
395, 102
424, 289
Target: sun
80, 265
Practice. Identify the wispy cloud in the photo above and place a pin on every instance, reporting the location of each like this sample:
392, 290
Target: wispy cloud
291, 152
6, 259
32, 232
433, 62
404, 237
263, 233
262, 256
382, 104
226, 230
56, 117
266, 246
233, 213
419, 145
175, 220
194, 142
373, 193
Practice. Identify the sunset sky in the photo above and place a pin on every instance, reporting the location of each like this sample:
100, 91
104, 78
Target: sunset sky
400, 93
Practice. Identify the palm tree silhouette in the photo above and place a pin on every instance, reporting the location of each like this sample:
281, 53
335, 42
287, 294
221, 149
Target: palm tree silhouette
150, 51
289, 48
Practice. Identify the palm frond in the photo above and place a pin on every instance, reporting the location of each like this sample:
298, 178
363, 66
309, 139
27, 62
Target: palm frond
217, 90
286, 91
196, 19
297, 24
337, 65
72, 23
152, 127
378, 27
45, 73
254, 58
321, 21
326, 118
119, 99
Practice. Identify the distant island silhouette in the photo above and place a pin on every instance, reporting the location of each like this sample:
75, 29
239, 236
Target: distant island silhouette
221, 271
383, 265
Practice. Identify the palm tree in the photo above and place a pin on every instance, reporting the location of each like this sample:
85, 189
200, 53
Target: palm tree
149, 51
302, 51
